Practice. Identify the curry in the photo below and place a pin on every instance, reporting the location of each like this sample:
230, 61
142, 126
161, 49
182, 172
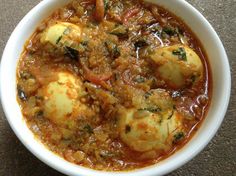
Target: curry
113, 84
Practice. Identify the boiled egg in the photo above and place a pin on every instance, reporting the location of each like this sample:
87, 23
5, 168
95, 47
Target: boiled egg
62, 102
178, 65
152, 127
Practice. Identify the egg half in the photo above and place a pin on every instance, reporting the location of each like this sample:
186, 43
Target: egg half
62, 34
178, 65
148, 128
62, 102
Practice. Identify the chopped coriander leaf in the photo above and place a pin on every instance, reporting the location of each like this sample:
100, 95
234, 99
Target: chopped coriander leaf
169, 30
113, 49
72, 53
193, 78
178, 136
84, 43
116, 52
181, 53
59, 39
139, 79
127, 129
117, 76
88, 129
120, 31
150, 109
106, 4
171, 115
147, 94
161, 120
39, 113
25, 75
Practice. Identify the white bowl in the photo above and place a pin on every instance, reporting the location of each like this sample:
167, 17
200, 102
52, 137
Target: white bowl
220, 98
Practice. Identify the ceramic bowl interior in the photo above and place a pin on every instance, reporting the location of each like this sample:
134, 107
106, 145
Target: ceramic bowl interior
220, 98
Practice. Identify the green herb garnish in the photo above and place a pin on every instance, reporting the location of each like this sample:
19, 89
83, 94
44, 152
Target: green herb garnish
127, 129
147, 94
193, 78
169, 31
72, 53
116, 76
140, 79
181, 53
113, 49
39, 114
171, 115
150, 109
88, 129
84, 43
106, 4
25, 75
59, 39
178, 136
120, 31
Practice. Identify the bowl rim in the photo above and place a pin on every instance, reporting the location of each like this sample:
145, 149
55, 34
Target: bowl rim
150, 171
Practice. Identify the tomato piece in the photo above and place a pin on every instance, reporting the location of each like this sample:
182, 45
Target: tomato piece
95, 78
129, 14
